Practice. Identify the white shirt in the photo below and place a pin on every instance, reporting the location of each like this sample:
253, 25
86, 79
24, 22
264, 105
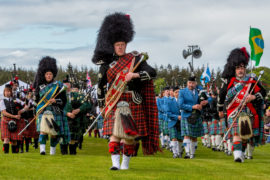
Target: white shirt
3, 106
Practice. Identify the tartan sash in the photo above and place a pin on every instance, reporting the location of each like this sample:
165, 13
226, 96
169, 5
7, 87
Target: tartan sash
52, 89
114, 93
239, 98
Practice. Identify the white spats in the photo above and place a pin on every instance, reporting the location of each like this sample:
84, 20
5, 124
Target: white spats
174, 147
161, 137
115, 161
186, 144
192, 149
207, 140
42, 148
250, 150
218, 140
125, 162
229, 147
213, 142
238, 156
167, 142
52, 150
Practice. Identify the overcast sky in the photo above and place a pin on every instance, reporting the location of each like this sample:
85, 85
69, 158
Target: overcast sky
67, 29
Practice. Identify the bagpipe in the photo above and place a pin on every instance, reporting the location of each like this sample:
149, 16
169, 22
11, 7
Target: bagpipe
245, 126
118, 89
43, 106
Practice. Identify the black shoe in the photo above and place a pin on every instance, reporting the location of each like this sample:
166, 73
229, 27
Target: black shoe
250, 157
238, 160
80, 146
6, 148
187, 156
114, 168
64, 149
214, 149
42, 153
35, 143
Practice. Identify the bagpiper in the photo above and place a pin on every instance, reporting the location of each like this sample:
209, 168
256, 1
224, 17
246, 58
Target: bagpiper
244, 108
11, 120
174, 118
51, 99
191, 122
130, 108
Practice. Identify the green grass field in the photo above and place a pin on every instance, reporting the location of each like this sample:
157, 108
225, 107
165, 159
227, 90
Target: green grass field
93, 162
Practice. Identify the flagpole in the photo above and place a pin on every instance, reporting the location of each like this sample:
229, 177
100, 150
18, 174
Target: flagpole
251, 67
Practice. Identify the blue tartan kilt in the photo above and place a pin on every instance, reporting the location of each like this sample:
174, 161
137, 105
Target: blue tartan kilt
165, 128
214, 127
160, 125
191, 130
59, 120
175, 132
205, 127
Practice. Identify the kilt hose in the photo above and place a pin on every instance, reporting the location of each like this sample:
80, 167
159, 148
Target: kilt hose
192, 130
137, 114
12, 136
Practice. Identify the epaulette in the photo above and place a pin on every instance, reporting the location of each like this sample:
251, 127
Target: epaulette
42, 86
100, 62
135, 53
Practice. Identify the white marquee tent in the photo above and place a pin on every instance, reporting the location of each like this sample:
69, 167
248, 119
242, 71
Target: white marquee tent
22, 85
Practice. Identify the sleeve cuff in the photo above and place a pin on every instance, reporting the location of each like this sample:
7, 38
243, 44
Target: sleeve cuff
144, 75
259, 96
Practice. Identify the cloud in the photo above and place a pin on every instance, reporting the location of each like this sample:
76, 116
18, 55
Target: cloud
30, 58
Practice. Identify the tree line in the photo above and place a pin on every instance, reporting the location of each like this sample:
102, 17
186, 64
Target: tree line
166, 75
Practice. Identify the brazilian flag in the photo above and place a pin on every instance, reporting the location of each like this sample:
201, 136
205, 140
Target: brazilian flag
256, 44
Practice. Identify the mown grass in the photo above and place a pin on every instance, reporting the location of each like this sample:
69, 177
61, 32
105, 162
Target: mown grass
93, 162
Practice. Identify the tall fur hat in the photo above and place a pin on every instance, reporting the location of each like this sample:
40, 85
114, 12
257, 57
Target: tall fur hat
46, 64
237, 57
115, 28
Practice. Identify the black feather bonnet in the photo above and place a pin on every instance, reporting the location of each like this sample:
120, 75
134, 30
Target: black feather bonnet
237, 57
46, 64
115, 28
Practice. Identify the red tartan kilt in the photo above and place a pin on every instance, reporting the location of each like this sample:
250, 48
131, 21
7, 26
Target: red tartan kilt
5, 132
31, 131
137, 114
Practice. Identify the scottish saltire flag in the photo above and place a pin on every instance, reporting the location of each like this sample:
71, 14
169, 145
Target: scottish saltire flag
206, 76
256, 45
89, 83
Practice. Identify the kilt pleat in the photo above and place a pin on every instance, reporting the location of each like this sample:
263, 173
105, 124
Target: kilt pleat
11, 135
191, 130
206, 127
214, 127
137, 114
31, 131
175, 133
